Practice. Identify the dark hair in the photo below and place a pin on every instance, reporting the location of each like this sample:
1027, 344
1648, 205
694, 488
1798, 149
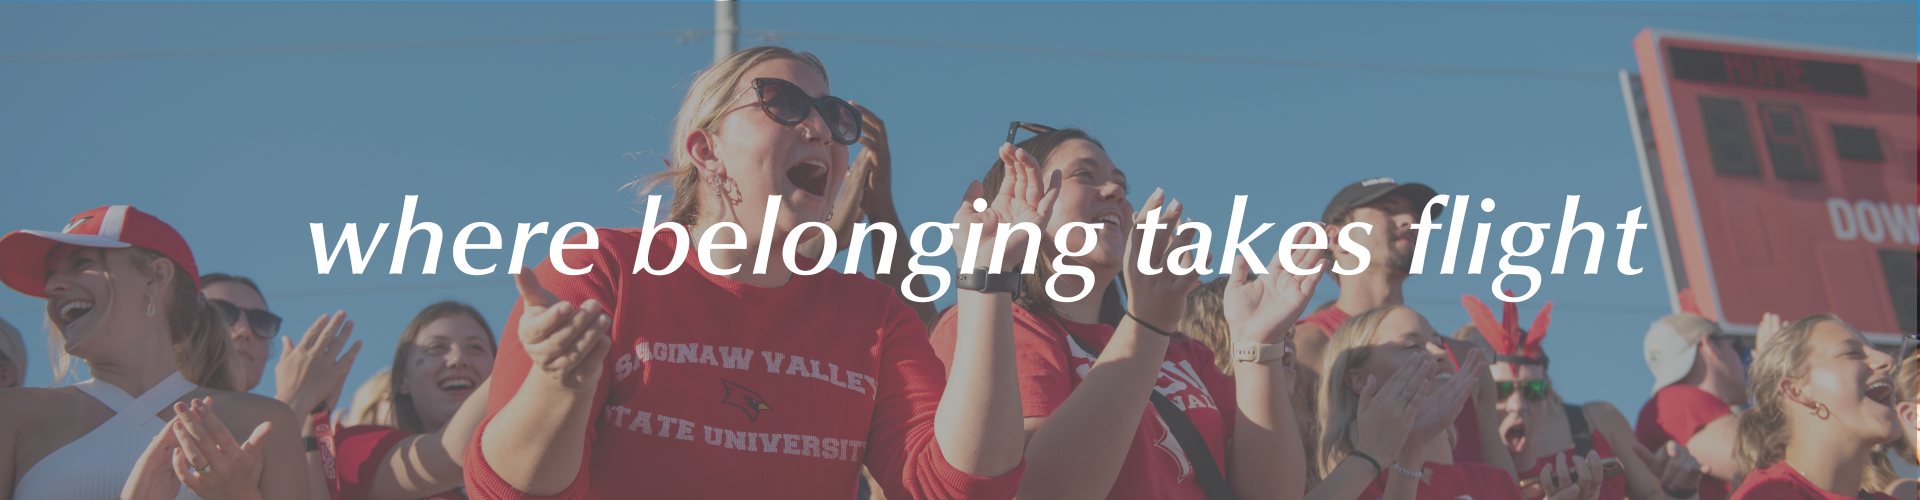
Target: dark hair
1206, 321
1033, 294
211, 278
405, 417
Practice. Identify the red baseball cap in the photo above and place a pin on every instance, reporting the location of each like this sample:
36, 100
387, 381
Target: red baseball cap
24, 252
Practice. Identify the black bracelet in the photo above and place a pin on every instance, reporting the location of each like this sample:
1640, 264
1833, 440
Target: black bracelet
1377, 470
313, 443
320, 408
1681, 493
1136, 319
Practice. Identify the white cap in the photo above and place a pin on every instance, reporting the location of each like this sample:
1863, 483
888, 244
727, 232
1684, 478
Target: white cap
1672, 342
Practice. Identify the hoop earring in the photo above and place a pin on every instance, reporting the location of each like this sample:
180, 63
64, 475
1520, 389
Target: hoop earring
1821, 410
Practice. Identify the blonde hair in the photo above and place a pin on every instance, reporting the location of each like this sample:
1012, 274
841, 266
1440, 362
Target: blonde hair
1764, 430
1351, 345
13, 350
1206, 321
201, 350
370, 403
707, 98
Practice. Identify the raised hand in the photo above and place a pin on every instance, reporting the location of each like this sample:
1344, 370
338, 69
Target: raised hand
1555, 477
208, 461
567, 344
153, 477
1387, 409
1438, 412
1678, 470
1263, 308
1022, 198
875, 163
1160, 299
1770, 324
313, 370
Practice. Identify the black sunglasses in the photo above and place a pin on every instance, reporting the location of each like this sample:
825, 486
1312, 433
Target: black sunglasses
264, 324
1036, 128
1531, 390
787, 105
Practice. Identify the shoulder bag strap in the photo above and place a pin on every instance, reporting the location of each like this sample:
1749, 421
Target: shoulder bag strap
1212, 481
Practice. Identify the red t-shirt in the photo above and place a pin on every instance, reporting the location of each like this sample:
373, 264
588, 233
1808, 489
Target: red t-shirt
1782, 482
1051, 365
719, 389
1675, 413
1614, 488
1466, 425
1461, 481
359, 452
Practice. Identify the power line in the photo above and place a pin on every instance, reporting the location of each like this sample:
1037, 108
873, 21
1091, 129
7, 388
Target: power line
782, 36
1567, 10
685, 35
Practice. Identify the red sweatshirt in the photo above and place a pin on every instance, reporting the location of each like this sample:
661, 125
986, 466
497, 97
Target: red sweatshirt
1051, 365
1460, 481
1781, 482
719, 389
359, 453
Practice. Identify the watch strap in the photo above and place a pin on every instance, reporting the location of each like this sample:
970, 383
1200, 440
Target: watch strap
981, 280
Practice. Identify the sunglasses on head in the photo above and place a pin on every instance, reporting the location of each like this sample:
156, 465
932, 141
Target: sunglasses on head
1036, 128
1530, 390
264, 324
787, 105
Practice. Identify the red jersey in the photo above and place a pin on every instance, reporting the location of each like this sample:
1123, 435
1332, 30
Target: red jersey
359, 452
1051, 366
719, 389
1462, 481
1781, 482
1466, 426
1675, 413
1614, 488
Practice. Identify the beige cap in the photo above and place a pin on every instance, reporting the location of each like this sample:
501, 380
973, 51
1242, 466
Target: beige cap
1672, 342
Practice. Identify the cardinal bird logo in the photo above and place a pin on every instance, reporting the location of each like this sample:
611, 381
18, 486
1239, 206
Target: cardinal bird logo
745, 399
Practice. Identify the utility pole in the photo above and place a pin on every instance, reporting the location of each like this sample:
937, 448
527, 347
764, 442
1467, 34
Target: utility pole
726, 29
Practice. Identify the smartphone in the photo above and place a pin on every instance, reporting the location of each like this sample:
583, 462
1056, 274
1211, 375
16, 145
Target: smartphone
1609, 467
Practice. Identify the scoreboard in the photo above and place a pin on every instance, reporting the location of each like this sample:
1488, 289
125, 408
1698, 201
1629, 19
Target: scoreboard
1783, 178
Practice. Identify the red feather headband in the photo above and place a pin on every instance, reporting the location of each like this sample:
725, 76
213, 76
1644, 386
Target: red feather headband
1510, 343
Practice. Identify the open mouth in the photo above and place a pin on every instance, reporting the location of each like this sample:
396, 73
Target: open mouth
1881, 392
457, 385
810, 175
72, 311
1515, 436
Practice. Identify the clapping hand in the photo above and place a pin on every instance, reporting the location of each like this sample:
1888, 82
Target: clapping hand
313, 370
1263, 309
1559, 486
1160, 298
1021, 198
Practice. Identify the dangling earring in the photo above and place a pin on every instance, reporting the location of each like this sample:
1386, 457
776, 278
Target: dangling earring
149, 305
1821, 410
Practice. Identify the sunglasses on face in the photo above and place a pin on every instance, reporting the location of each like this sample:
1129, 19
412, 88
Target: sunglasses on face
787, 105
1530, 390
264, 324
1036, 128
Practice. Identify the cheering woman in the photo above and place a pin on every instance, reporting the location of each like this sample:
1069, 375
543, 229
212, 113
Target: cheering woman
1823, 398
1539, 428
123, 295
437, 391
1375, 346
731, 376
1116, 404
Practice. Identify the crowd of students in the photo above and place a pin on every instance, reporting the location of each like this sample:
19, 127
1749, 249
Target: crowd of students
692, 384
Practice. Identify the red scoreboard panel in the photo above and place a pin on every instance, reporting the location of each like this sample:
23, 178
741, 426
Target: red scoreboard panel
1783, 177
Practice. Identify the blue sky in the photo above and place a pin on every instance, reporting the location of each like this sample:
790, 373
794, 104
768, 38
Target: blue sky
241, 152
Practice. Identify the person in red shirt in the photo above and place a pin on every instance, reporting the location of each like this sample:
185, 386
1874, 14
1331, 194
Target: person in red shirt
716, 380
1823, 398
1378, 345
1698, 378
1391, 209
1076, 369
437, 388
1535, 421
